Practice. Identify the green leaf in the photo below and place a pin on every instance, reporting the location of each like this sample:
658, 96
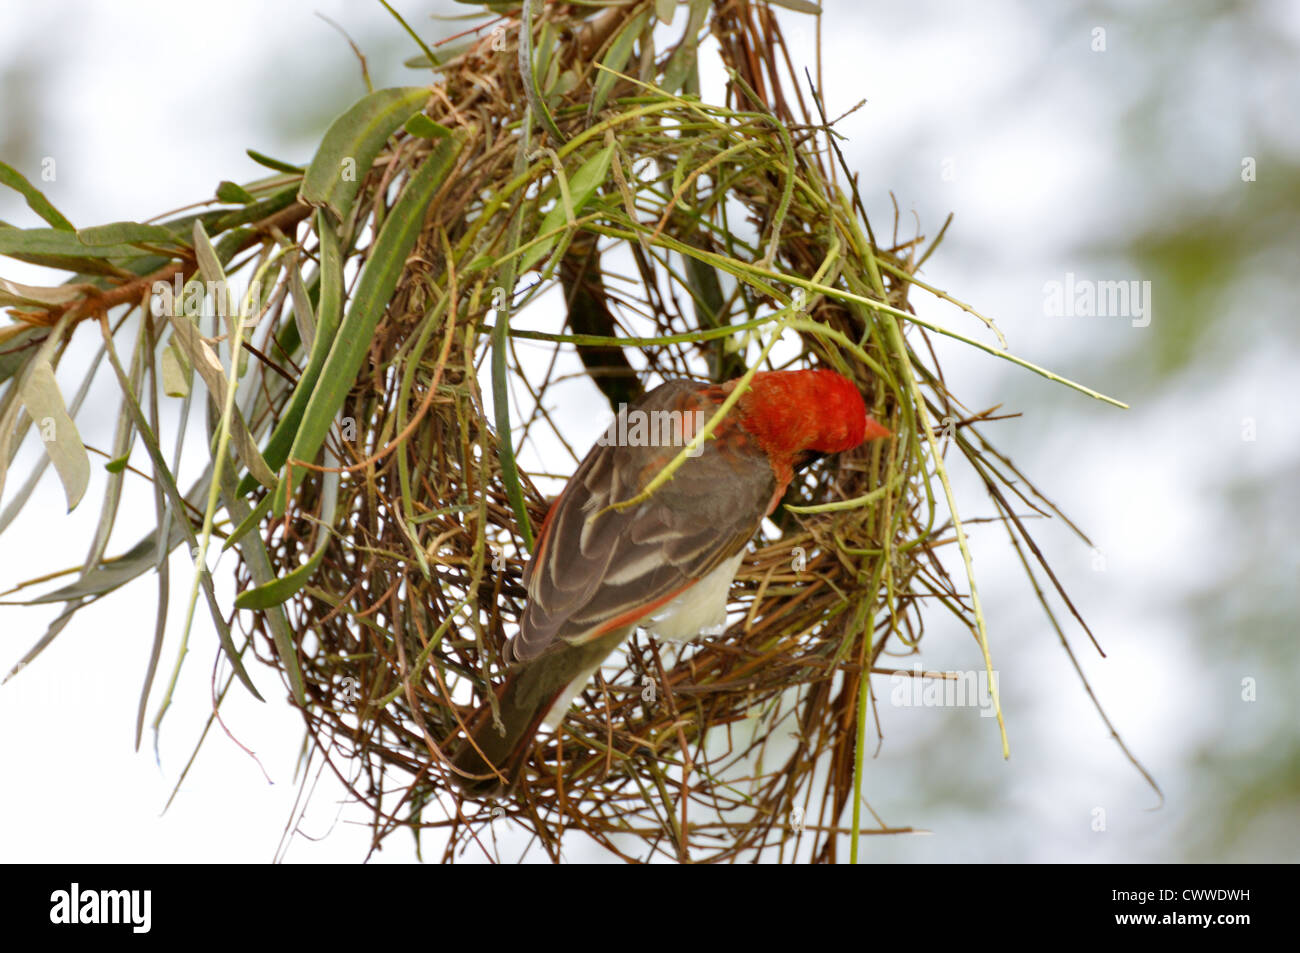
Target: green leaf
564, 84
108, 275
37, 202
619, 52
44, 404
304, 315
127, 233
118, 465
590, 177
57, 244
351, 144
531, 63
271, 163
328, 315
424, 47
278, 590
424, 127
249, 213
375, 286
682, 63
234, 194
544, 63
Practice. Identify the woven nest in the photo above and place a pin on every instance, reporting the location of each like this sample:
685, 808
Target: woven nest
519, 258
732, 745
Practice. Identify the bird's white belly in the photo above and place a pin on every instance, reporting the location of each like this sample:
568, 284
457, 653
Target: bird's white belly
700, 610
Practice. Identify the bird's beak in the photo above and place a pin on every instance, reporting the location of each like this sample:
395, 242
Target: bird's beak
875, 430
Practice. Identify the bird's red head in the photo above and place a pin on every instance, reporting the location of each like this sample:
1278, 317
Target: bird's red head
790, 412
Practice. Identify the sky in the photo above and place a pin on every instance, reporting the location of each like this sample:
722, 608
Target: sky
1065, 155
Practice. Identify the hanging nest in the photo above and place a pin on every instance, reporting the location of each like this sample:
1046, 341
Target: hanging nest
580, 187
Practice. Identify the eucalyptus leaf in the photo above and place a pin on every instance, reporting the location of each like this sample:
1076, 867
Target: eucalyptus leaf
255, 212
328, 316
13, 293
57, 243
304, 316
584, 184
379, 277
234, 193
44, 404
126, 233
424, 127
615, 59
177, 371
683, 60
36, 201
204, 360
19, 499
270, 162
279, 590
352, 143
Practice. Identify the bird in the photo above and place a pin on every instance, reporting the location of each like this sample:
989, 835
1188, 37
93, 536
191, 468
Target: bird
665, 563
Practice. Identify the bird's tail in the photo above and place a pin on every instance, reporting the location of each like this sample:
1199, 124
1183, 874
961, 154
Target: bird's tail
489, 760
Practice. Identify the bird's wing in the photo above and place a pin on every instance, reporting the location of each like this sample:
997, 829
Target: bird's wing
597, 569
